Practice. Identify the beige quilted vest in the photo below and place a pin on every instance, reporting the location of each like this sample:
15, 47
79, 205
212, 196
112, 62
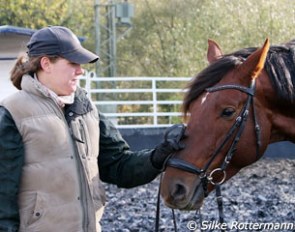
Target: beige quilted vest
60, 188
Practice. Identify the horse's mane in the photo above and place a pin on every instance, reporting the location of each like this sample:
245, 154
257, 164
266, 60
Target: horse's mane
280, 66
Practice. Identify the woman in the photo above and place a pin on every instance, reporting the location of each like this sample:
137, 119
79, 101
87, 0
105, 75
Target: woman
55, 147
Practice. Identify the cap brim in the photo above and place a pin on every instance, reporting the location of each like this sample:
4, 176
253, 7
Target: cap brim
81, 56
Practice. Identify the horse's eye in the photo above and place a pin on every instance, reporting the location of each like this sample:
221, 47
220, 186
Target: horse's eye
228, 112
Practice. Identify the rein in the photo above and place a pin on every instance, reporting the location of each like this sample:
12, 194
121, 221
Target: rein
235, 131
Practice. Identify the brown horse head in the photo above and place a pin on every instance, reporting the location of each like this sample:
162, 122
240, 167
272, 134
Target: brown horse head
235, 107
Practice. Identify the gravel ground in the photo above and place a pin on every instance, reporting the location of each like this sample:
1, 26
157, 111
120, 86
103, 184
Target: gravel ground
262, 194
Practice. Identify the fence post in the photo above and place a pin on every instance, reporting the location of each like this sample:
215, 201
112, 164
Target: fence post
88, 81
155, 110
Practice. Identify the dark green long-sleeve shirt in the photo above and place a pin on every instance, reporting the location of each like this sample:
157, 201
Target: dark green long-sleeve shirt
117, 164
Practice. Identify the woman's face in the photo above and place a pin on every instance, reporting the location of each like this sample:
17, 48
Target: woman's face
61, 76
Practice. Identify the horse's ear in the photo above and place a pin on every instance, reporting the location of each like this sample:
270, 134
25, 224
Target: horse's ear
254, 64
214, 51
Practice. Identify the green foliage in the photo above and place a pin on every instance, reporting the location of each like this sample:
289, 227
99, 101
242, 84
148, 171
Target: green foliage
34, 14
169, 37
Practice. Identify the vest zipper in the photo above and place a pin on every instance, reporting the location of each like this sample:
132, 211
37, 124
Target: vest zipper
81, 176
82, 181
83, 192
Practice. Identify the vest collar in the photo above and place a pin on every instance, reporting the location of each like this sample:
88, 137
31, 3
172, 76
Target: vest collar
81, 105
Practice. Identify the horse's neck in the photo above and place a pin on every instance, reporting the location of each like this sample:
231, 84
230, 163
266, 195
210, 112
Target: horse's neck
280, 114
283, 126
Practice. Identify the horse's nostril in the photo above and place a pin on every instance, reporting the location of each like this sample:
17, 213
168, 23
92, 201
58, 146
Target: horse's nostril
179, 192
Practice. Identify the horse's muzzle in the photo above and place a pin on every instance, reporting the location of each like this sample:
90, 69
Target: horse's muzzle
180, 195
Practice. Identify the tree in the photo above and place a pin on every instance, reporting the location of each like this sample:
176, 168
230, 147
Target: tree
169, 37
35, 14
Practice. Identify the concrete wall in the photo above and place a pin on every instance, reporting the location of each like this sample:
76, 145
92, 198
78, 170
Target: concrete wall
6, 87
141, 138
11, 46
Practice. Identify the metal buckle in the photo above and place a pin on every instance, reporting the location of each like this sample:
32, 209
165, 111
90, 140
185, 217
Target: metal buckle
210, 176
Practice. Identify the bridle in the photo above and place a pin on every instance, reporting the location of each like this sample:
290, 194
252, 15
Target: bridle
234, 132
237, 127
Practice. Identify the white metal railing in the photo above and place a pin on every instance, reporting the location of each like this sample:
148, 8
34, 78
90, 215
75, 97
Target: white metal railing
95, 86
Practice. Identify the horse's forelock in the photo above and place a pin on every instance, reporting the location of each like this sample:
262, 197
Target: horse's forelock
208, 77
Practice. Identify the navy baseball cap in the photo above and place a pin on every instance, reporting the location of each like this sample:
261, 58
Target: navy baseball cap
60, 41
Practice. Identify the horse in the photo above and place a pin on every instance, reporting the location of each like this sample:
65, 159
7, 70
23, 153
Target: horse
234, 108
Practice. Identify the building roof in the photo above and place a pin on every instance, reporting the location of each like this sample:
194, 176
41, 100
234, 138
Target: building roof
7, 29
12, 40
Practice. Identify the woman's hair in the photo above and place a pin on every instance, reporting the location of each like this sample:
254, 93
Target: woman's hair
27, 65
